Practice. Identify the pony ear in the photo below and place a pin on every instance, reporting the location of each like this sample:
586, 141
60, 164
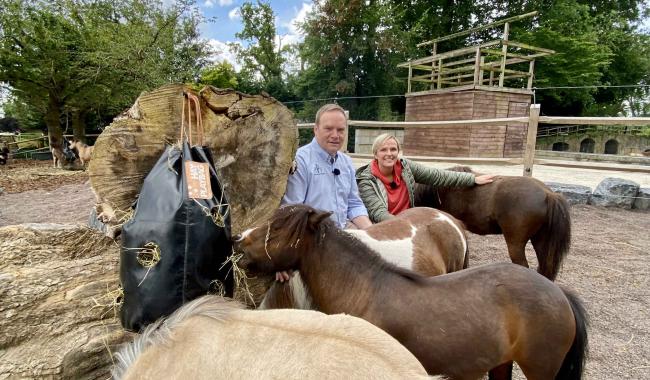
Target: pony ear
316, 217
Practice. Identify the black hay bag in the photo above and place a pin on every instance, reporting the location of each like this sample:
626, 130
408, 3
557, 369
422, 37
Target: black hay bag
174, 246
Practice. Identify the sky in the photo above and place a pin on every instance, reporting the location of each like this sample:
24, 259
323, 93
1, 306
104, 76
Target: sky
228, 22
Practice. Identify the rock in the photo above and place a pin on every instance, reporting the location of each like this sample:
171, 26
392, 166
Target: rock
642, 200
574, 194
2, 190
615, 192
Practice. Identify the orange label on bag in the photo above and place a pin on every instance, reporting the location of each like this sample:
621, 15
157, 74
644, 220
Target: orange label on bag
198, 180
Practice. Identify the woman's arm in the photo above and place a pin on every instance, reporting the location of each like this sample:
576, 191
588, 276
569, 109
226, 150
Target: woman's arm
440, 178
377, 210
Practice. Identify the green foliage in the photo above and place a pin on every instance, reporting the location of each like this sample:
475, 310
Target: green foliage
95, 56
262, 58
221, 75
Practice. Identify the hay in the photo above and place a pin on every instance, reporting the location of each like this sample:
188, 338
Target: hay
147, 256
248, 290
111, 300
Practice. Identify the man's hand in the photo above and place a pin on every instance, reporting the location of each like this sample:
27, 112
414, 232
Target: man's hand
283, 276
485, 178
362, 222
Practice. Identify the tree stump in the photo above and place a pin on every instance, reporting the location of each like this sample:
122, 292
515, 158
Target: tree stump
253, 140
59, 289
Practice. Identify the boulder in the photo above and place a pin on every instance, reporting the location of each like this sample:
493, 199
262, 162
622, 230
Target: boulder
574, 194
615, 192
642, 200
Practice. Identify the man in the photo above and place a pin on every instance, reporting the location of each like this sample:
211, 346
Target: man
324, 177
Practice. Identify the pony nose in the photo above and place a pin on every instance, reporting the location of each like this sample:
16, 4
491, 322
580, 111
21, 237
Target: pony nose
237, 238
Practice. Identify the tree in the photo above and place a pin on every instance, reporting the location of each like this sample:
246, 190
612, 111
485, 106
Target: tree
350, 50
81, 56
220, 75
262, 56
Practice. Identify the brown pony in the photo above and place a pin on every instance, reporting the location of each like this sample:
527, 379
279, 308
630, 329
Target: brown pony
461, 324
520, 208
422, 239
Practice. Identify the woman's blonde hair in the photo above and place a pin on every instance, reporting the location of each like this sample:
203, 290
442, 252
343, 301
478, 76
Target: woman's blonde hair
381, 139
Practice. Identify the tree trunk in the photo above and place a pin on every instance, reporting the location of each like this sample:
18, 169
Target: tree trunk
59, 295
253, 140
53, 122
78, 126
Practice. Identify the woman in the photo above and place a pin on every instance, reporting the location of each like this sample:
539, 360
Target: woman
386, 185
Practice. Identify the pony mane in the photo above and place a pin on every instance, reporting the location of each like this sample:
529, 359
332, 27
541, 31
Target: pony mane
214, 307
294, 218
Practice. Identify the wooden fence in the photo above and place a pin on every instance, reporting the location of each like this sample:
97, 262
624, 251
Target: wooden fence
533, 120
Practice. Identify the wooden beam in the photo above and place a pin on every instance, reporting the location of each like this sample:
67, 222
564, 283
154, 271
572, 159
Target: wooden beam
477, 65
531, 140
526, 46
449, 54
504, 50
479, 28
531, 72
594, 120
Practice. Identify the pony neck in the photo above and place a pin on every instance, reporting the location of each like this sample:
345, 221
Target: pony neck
340, 273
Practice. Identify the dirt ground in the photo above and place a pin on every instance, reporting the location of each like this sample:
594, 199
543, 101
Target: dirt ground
608, 266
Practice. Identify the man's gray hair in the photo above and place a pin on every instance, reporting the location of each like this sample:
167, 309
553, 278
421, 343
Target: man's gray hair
381, 139
330, 107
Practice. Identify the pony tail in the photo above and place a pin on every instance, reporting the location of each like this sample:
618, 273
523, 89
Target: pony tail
553, 240
574, 361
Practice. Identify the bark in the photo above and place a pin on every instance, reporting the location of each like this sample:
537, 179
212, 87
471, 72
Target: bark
52, 120
78, 126
253, 140
59, 285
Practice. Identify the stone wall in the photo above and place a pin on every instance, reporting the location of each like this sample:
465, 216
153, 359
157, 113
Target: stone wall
627, 144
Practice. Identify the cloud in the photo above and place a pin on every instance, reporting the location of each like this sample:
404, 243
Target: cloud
208, 4
222, 53
234, 14
301, 15
225, 3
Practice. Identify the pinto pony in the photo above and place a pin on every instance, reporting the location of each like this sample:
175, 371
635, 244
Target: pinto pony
212, 338
520, 208
83, 150
422, 239
460, 325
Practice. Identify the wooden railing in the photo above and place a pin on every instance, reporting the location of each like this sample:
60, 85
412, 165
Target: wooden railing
485, 64
533, 120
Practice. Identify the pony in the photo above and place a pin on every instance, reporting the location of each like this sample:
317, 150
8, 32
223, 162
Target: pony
520, 208
212, 337
4, 155
82, 150
61, 155
460, 325
425, 240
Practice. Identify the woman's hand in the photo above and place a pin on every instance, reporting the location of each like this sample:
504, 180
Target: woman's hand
283, 276
485, 178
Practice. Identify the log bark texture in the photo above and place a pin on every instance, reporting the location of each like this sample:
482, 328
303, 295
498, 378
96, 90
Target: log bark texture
253, 140
58, 289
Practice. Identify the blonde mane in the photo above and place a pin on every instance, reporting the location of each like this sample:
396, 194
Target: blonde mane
159, 332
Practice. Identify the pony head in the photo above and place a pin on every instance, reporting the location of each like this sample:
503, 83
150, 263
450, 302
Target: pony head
278, 244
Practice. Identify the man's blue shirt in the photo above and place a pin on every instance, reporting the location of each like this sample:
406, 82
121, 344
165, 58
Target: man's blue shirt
315, 184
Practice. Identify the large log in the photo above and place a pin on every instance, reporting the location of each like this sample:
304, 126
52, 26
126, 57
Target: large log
253, 140
58, 292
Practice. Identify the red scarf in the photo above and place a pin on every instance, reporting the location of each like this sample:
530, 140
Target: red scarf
398, 198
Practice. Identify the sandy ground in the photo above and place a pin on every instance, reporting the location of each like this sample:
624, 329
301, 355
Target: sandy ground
608, 266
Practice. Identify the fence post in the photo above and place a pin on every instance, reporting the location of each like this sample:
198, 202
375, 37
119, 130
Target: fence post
531, 139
